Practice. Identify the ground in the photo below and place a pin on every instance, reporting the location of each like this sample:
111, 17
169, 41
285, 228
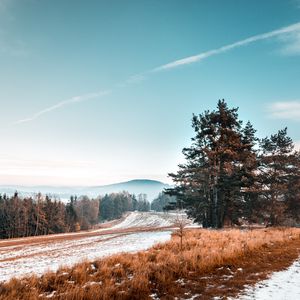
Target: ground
283, 285
138, 231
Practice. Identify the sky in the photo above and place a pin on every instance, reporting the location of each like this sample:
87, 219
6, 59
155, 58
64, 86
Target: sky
97, 92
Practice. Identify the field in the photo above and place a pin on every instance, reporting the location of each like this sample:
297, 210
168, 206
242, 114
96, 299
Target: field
36, 255
210, 265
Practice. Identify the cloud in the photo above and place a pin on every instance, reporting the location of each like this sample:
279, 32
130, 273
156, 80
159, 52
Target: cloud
22, 163
17, 170
291, 32
134, 79
291, 43
63, 103
285, 110
289, 35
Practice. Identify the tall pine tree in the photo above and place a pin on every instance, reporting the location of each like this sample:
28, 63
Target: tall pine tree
210, 183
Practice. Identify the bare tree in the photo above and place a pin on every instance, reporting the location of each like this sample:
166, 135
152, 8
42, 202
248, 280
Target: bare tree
181, 222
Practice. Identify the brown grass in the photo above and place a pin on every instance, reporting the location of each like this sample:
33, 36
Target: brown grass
211, 263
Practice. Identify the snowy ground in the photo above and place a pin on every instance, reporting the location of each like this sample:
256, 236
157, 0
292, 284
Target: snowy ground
153, 219
38, 259
37, 255
20, 257
284, 285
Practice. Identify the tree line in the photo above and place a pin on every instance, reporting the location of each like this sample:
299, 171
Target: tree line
40, 215
230, 176
113, 206
163, 202
30, 216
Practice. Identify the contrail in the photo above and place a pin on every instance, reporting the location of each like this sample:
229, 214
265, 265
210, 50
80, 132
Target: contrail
174, 64
63, 103
201, 56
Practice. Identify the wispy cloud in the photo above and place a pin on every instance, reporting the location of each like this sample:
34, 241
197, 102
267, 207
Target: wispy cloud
45, 171
290, 35
134, 79
290, 31
291, 43
63, 103
22, 163
285, 110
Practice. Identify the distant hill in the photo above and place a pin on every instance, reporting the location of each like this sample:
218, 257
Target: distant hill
146, 186
150, 187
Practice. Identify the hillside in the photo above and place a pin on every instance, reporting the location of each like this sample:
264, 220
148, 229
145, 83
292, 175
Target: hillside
146, 186
150, 187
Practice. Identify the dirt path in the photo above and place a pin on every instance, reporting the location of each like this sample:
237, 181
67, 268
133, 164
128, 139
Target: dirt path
24, 256
12, 256
51, 238
40, 258
139, 222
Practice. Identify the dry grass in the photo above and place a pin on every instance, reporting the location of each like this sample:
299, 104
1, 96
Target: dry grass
164, 270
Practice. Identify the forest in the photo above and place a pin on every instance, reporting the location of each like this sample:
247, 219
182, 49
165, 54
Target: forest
232, 177
40, 215
113, 206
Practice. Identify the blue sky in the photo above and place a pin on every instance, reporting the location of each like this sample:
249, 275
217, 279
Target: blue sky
95, 92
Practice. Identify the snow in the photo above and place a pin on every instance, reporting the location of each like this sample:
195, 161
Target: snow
154, 296
283, 285
40, 254
152, 219
193, 297
37, 259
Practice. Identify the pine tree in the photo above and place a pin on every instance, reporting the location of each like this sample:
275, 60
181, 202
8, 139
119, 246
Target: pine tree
279, 168
248, 175
71, 215
159, 203
210, 182
134, 202
293, 194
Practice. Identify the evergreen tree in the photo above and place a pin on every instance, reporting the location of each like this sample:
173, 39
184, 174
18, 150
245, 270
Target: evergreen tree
71, 215
278, 171
134, 202
143, 204
160, 203
248, 175
210, 182
293, 194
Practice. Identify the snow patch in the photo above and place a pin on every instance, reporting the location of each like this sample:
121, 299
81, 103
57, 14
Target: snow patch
151, 219
283, 285
37, 259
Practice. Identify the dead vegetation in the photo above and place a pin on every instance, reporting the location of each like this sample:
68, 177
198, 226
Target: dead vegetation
210, 263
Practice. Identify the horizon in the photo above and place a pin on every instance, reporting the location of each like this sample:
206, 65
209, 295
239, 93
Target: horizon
103, 92
87, 186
